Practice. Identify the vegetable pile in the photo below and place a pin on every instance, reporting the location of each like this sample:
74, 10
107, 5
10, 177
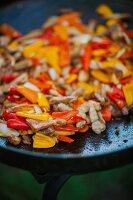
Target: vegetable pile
65, 78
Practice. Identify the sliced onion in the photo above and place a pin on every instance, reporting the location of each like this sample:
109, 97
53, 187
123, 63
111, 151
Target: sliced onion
37, 109
53, 74
31, 86
5, 131
81, 39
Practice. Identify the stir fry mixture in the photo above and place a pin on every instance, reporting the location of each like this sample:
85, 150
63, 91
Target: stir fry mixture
65, 78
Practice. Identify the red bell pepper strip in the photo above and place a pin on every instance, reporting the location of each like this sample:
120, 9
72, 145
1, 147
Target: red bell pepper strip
47, 34
86, 57
13, 99
65, 114
119, 102
67, 128
64, 138
12, 115
126, 80
106, 114
13, 91
127, 55
101, 45
17, 124
34, 61
10, 31
118, 93
9, 77
129, 33
75, 119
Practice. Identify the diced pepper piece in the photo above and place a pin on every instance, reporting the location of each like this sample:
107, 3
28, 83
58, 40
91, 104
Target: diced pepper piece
65, 114
106, 114
17, 124
89, 89
28, 93
128, 93
43, 141
86, 57
75, 119
101, 45
66, 139
119, 102
101, 76
118, 93
127, 55
42, 101
42, 116
76, 104
71, 78
104, 10
32, 49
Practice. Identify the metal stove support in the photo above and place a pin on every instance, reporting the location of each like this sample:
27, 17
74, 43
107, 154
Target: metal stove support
53, 181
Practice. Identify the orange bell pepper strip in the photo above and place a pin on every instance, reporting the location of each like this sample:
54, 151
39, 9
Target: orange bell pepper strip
106, 114
84, 129
67, 128
65, 114
86, 57
129, 33
66, 139
64, 54
61, 31
42, 86
128, 93
79, 101
70, 17
28, 93
9, 31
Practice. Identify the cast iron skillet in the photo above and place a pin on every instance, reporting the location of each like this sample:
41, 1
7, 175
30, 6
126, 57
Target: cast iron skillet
89, 152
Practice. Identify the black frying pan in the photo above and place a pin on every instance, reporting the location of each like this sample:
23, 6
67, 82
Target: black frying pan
89, 152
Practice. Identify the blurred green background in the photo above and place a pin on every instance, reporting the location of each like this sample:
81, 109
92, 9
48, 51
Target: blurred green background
116, 184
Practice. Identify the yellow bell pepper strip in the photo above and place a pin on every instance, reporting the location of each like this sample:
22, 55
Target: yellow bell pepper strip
28, 132
66, 139
104, 10
43, 141
61, 31
51, 54
32, 49
28, 93
101, 29
86, 57
42, 116
98, 52
101, 76
71, 78
42, 101
128, 93
89, 89
13, 45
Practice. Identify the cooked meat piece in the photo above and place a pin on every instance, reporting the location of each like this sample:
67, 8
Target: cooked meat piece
96, 105
19, 107
26, 139
54, 92
64, 99
80, 124
78, 92
83, 109
93, 114
4, 40
48, 130
15, 140
23, 64
37, 125
99, 97
98, 127
63, 107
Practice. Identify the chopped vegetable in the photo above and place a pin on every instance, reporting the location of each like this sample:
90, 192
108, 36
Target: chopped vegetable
43, 141
29, 94
42, 117
128, 93
66, 139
